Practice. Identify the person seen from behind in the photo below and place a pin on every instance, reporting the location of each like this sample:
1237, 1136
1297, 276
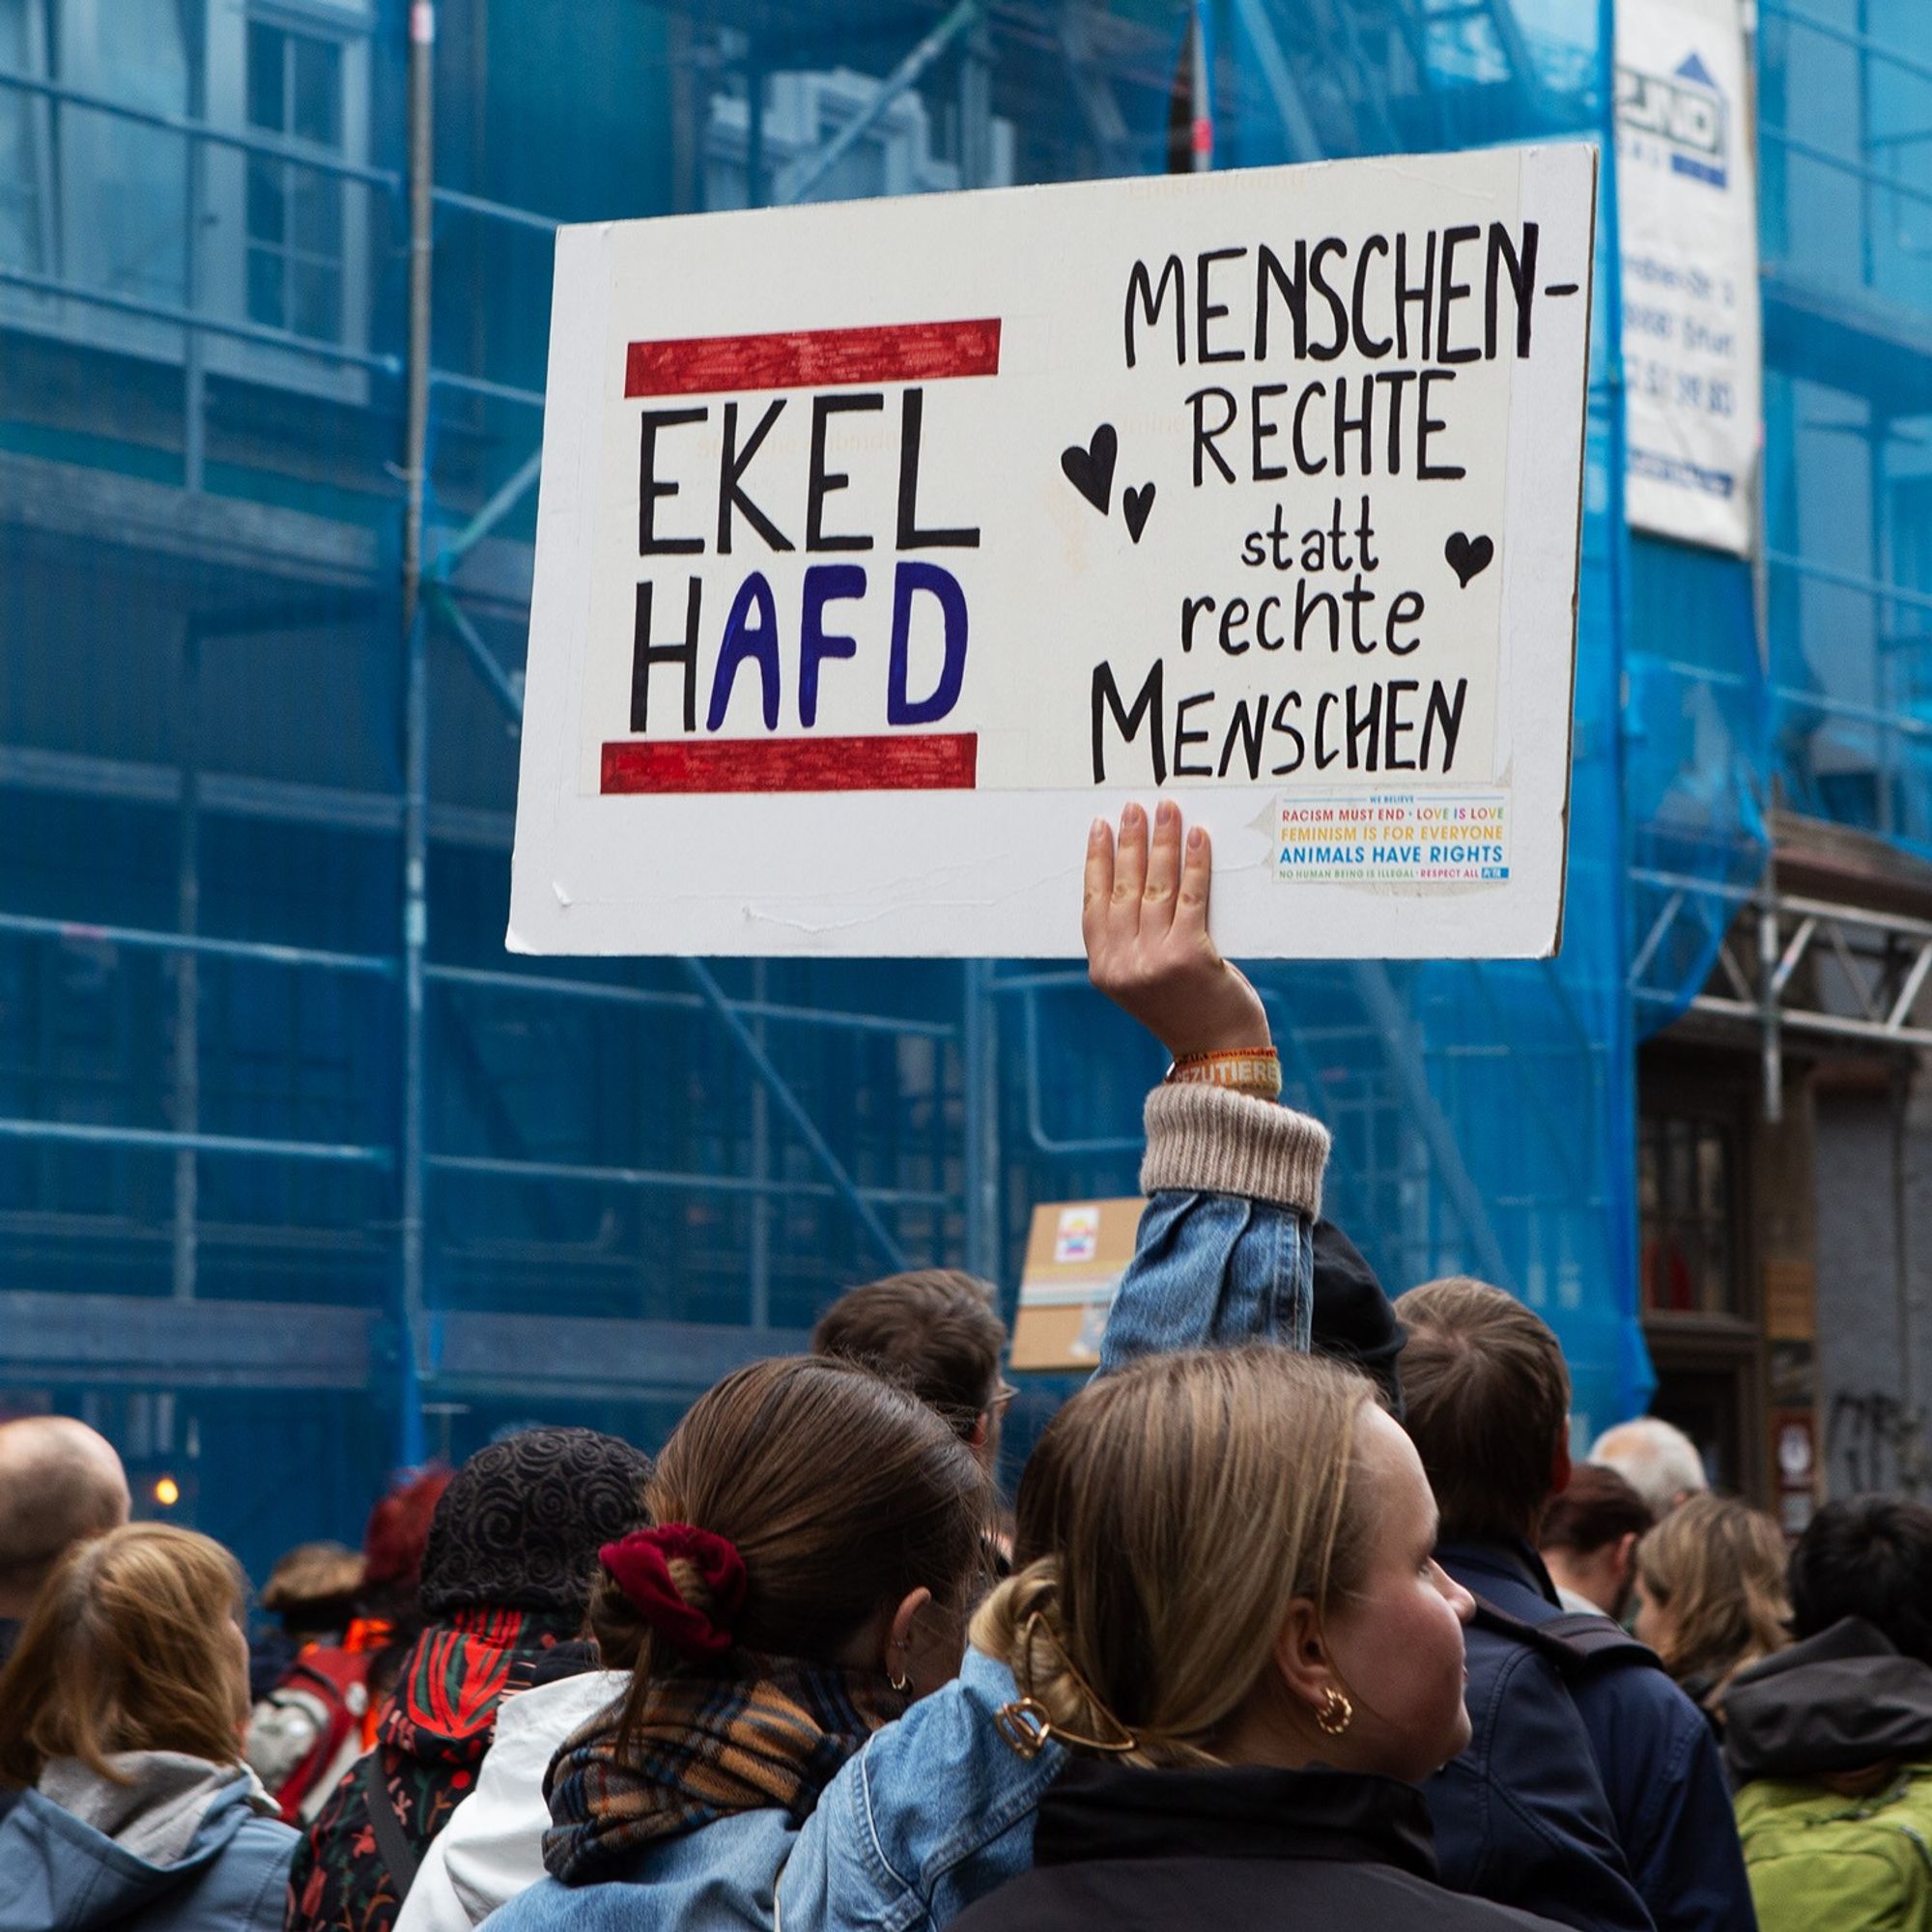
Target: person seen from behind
1710, 1587
121, 1716
1829, 1741
60, 1484
322, 1713
934, 1331
506, 1578
1243, 1642
311, 1594
1589, 1540
932, 1336
1656, 1459
1568, 1710
817, 1539
940, 1808
938, 1331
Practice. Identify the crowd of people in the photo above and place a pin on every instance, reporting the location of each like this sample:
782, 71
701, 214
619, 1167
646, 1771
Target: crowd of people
1301, 1616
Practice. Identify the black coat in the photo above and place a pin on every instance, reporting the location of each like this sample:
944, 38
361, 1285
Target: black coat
1354, 1319
1238, 1850
1841, 1700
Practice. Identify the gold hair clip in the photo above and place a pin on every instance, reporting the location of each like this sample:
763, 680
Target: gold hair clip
1026, 1723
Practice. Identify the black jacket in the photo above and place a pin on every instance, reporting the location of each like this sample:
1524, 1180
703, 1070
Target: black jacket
1523, 1814
1236, 1851
1842, 1700
1654, 1753
1353, 1318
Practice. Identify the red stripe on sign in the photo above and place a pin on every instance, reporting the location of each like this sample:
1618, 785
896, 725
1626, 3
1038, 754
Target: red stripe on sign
930, 761
813, 358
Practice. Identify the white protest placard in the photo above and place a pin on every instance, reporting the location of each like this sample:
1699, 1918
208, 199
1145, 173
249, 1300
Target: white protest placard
1687, 214
882, 546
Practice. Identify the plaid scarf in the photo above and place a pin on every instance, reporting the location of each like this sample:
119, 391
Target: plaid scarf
707, 1746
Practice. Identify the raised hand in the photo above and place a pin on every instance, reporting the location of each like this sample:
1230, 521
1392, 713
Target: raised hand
1144, 916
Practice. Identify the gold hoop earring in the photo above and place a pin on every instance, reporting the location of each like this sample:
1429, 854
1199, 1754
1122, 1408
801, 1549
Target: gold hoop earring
1336, 1713
901, 1684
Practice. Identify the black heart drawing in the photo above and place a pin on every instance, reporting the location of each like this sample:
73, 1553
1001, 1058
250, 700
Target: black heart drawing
1134, 506
1091, 471
1468, 556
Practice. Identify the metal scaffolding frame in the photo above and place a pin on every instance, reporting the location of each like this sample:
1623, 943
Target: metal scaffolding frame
434, 564
1756, 958
411, 1345
1791, 964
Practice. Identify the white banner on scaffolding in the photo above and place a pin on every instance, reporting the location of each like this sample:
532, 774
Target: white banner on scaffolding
884, 545
1687, 213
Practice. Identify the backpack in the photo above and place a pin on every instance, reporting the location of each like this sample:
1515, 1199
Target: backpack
1578, 1642
1817, 1857
309, 1730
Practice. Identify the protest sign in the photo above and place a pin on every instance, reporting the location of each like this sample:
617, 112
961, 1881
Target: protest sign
882, 546
1688, 218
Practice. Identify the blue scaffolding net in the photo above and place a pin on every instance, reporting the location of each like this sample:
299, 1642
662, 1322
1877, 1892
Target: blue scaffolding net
300, 1175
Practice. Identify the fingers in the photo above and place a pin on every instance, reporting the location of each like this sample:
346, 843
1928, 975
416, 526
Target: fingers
1130, 864
1097, 885
1197, 872
1163, 873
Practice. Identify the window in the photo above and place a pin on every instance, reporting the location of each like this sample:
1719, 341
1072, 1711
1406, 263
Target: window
26, 215
294, 223
1686, 1204
101, 201
124, 230
1699, 1162
89, 197
803, 111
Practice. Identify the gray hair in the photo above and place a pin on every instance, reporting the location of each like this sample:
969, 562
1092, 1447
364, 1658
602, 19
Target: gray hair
1657, 1459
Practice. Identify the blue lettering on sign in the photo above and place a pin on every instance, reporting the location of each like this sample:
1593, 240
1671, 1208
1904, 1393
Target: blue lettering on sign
908, 580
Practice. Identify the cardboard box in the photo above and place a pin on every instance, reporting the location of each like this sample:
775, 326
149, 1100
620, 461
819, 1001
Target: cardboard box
1076, 1252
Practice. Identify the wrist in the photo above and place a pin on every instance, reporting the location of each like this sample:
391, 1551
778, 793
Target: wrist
1250, 1035
1254, 1071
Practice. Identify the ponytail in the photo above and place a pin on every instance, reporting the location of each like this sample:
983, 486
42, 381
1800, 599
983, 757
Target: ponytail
1022, 1622
794, 1502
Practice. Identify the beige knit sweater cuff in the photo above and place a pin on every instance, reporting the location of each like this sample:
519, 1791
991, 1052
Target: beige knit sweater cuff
1211, 1141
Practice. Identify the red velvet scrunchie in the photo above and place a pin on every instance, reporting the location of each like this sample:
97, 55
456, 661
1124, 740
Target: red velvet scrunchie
640, 1567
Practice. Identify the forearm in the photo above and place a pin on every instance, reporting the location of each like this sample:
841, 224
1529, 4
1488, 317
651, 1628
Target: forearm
1223, 1254
1209, 1140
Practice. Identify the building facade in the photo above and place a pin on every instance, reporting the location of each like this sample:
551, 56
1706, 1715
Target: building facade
302, 1175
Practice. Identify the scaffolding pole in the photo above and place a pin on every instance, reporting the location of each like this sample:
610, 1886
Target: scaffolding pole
907, 73
415, 733
187, 965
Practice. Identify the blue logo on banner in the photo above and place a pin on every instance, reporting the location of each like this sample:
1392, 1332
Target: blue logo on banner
1685, 113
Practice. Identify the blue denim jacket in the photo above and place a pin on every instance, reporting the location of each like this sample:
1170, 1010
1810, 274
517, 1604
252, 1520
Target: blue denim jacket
938, 1809
719, 1877
933, 1813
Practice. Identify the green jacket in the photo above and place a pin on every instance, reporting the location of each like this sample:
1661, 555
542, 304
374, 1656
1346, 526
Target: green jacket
1818, 1859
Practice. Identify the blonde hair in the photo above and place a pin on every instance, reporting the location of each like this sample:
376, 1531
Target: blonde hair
1716, 1566
130, 1646
1173, 1512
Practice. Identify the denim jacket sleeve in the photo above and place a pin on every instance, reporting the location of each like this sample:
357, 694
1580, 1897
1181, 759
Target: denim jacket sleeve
938, 1808
1224, 1253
